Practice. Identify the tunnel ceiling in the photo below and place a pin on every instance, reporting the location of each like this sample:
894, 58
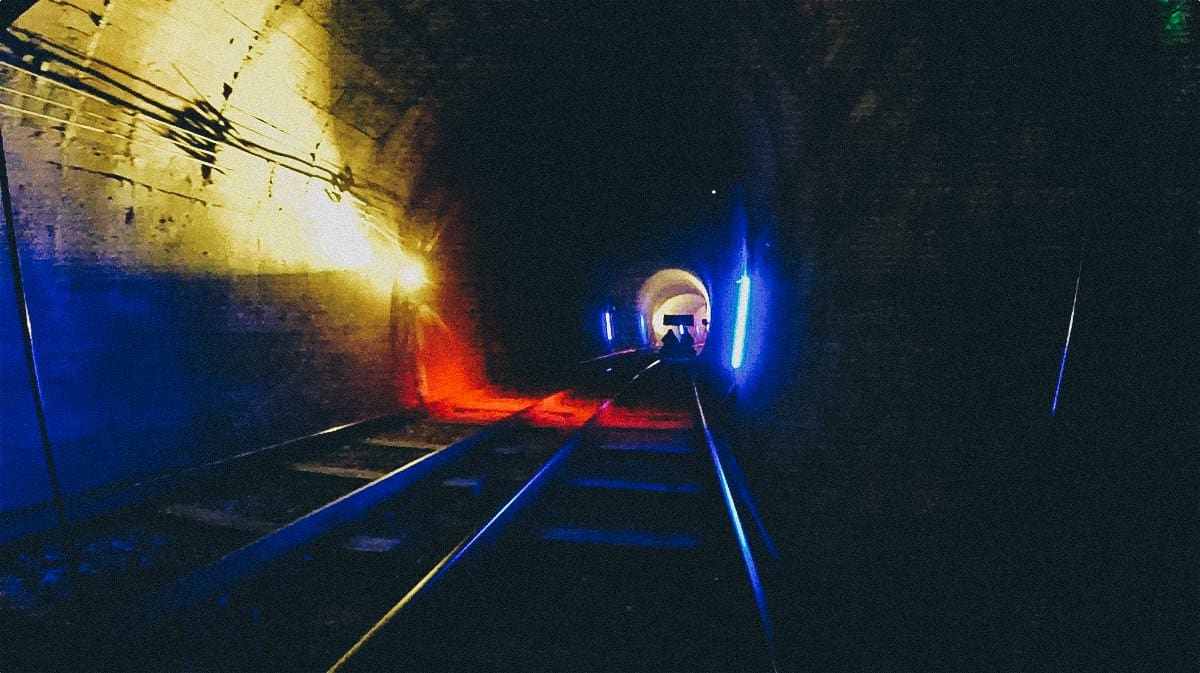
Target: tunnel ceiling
602, 111
552, 118
596, 143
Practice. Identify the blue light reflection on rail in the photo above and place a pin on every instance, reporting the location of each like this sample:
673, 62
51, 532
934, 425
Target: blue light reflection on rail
760, 595
737, 356
488, 531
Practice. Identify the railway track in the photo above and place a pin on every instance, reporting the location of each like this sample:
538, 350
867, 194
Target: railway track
581, 531
626, 552
129, 591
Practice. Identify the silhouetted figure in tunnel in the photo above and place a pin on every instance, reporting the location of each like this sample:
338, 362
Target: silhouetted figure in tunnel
670, 345
687, 345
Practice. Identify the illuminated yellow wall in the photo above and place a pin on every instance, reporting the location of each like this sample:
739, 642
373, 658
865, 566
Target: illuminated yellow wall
216, 137
224, 211
236, 122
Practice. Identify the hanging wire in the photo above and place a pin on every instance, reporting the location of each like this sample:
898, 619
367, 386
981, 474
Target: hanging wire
151, 118
363, 205
131, 125
326, 170
88, 127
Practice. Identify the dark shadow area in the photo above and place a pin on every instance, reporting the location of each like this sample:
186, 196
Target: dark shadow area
964, 160
599, 144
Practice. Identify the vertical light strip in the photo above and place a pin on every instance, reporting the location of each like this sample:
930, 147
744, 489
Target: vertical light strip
739, 325
1067, 344
608, 330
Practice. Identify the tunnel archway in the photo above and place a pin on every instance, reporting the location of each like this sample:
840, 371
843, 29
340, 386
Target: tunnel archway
674, 291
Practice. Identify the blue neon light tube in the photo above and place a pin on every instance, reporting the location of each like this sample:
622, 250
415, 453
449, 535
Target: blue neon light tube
739, 325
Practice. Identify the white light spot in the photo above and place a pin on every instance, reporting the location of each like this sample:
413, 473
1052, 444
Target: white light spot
410, 275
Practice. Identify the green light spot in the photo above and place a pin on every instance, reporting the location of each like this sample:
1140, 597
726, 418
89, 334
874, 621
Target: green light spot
1175, 25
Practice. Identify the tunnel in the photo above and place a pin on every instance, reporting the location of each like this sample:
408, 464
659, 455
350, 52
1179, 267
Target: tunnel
939, 261
673, 292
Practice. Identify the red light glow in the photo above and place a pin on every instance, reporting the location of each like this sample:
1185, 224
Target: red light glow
564, 410
481, 406
645, 418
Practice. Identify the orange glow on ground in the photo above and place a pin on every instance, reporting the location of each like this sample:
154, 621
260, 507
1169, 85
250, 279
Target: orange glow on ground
564, 410
480, 406
646, 418
491, 404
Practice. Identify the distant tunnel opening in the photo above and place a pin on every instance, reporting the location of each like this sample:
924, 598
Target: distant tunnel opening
674, 292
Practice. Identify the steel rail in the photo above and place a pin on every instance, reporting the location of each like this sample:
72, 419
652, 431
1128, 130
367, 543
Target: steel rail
739, 478
473, 544
744, 492
613, 354
101, 500
739, 531
250, 559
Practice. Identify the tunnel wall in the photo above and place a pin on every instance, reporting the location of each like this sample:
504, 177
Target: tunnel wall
211, 202
924, 251
939, 174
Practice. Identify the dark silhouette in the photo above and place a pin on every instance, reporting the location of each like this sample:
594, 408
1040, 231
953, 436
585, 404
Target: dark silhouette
670, 344
687, 344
